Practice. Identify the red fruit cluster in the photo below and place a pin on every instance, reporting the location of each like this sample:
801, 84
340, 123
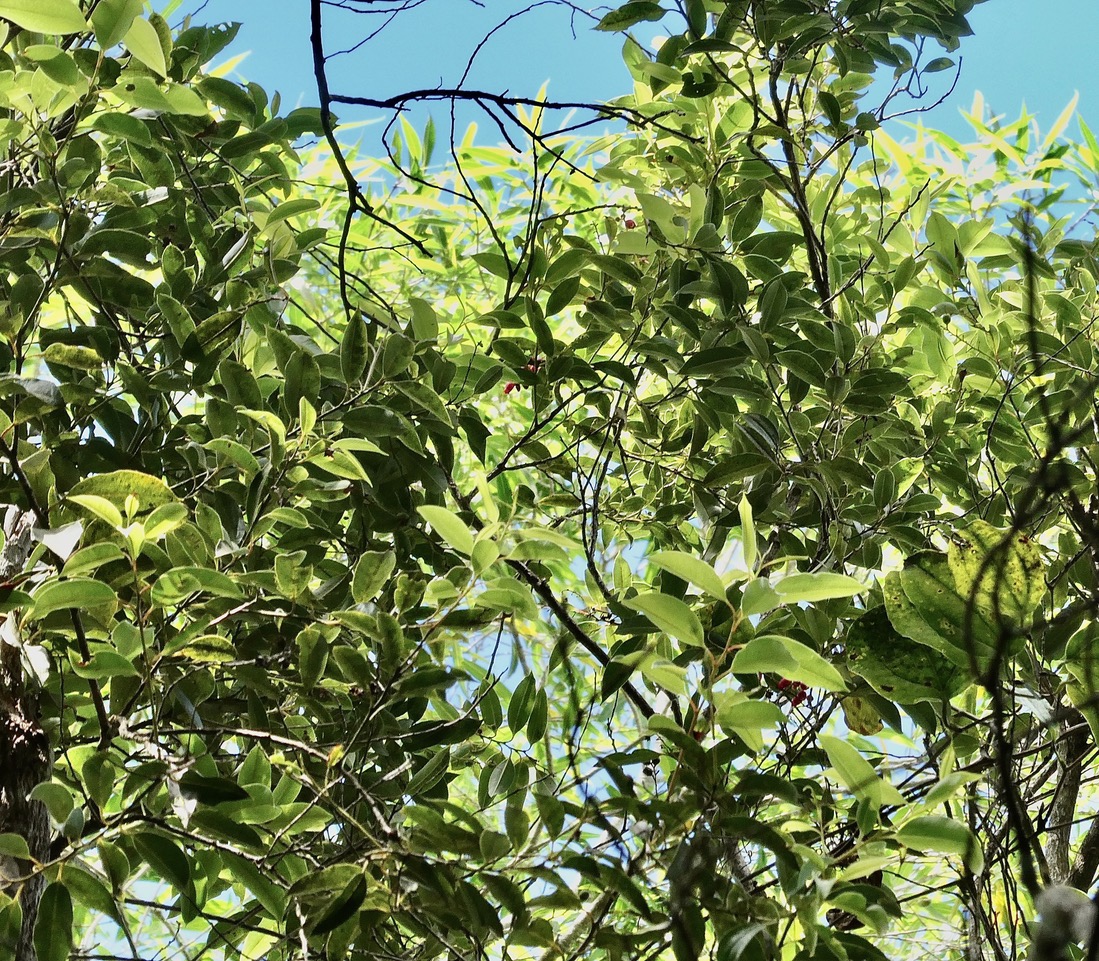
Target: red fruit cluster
795, 690
533, 366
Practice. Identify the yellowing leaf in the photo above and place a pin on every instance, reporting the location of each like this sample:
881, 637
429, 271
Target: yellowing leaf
1007, 564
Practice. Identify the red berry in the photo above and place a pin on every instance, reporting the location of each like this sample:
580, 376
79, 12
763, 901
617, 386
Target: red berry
630, 224
795, 690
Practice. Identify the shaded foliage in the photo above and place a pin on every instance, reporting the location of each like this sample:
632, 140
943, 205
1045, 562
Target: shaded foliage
673, 543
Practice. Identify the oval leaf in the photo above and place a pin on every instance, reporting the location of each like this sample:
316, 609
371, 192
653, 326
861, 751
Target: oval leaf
80, 592
181, 582
449, 527
671, 615
53, 929
692, 569
858, 774
799, 588
936, 832
45, 16
773, 654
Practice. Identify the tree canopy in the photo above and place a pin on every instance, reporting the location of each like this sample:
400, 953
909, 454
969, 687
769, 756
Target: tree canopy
672, 533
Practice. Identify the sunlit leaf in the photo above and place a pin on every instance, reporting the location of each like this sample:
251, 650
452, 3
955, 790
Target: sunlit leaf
670, 615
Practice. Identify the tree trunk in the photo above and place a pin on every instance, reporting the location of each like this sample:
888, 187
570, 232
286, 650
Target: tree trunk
24, 753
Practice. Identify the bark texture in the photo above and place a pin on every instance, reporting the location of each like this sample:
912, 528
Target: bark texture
24, 753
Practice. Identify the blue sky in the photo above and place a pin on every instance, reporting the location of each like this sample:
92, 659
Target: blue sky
1039, 53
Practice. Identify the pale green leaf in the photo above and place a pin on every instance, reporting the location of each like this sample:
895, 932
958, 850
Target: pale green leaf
805, 588
774, 654
665, 674
449, 527
79, 592
142, 41
371, 573
936, 832
44, 16
747, 533
671, 615
111, 20
689, 568
99, 506
857, 773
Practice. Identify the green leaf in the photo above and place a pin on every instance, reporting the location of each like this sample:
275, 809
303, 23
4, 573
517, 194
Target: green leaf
896, 666
79, 592
53, 929
292, 574
291, 208
103, 665
56, 797
89, 891
268, 893
758, 597
313, 655
670, 615
663, 673
45, 16
429, 774
521, 703
116, 486
539, 717
111, 20
747, 717
1008, 566
341, 463
342, 907
631, 14
14, 846
123, 126
858, 774
98, 775
424, 324
935, 832
924, 605
803, 588
748, 533
69, 355
142, 41
372, 572
181, 582
689, 568
210, 790
100, 507
449, 527
165, 858
774, 654
205, 649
